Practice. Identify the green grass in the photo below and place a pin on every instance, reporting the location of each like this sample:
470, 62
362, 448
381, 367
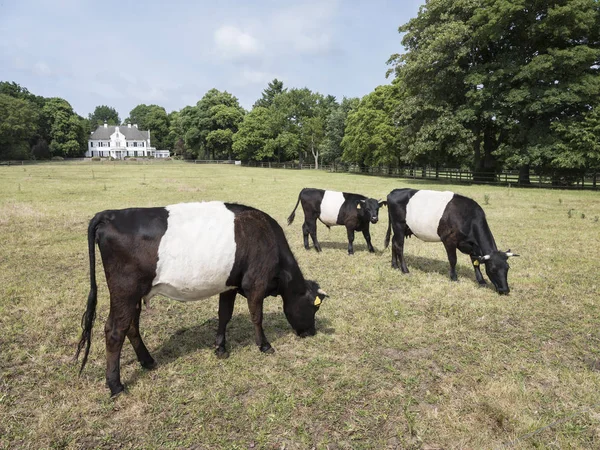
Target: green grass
399, 361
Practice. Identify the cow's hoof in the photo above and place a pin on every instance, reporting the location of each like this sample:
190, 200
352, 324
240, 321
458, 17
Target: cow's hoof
116, 391
267, 349
149, 365
371, 250
482, 283
221, 353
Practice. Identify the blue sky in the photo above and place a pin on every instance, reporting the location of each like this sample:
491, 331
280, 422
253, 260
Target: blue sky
125, 53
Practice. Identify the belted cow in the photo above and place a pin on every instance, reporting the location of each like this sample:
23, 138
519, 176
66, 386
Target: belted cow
457, 221
192, 251
354, 211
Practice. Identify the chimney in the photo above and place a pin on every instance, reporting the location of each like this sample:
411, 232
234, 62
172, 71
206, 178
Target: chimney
128, 125
105, 125
135, 125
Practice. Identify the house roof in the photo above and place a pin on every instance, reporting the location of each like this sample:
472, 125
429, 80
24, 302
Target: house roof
132, 133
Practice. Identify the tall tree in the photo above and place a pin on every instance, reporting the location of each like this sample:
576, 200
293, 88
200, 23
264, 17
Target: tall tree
103, 113
67, 132
497, 78
18, 127
155, 119
371, 135
335, 127
273, 89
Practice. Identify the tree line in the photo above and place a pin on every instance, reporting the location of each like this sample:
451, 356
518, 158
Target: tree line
512, 84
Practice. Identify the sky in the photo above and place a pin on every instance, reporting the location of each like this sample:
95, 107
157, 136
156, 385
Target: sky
125, 53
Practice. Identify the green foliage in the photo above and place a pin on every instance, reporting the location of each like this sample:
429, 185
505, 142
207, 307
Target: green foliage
103, 114
66, 129
494, 85
19, 125
273, 89
371, 135
155, 119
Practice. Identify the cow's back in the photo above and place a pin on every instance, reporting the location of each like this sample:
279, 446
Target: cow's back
424, 211
197, 252
330, 207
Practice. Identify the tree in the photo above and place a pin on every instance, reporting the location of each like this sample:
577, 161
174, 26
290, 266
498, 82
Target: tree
273, 89
497, 78
103, 114
18, 127
334, 129
213, 115
371, 135
67, 131
155, 119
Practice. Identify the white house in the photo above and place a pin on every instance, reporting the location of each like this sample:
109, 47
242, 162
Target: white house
121, 141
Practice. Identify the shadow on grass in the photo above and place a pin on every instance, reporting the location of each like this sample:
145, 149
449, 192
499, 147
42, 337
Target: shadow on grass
240, 333
443, 268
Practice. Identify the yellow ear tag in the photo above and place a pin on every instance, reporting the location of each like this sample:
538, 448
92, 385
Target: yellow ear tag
317, 301
476, 262
358, 206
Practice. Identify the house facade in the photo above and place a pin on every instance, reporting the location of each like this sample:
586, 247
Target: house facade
122, 141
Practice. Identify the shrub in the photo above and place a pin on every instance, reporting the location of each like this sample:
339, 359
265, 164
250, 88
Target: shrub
58, 158
96, 158
168, 158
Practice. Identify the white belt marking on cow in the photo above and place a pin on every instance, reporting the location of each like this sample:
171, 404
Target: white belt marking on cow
330, 207
424, 211
196, 253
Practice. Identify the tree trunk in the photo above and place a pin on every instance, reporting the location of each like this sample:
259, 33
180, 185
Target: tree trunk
524, 175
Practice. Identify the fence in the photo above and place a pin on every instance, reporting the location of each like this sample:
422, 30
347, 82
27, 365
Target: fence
588, 180
506, 177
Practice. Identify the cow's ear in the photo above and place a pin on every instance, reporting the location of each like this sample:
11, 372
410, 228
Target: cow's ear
383, 203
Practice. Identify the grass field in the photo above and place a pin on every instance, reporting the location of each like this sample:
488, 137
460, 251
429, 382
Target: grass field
399, 361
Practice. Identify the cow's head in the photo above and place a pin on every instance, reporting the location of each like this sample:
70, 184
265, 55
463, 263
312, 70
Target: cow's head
496, 267
369, 209
301, 312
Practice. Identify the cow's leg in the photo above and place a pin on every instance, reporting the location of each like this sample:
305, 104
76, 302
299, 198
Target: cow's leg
226, 303
143, 355
367, 235
120, 318
312, 229
451, 251
477, 267
305, 233
398, 252
255, 305
350, 240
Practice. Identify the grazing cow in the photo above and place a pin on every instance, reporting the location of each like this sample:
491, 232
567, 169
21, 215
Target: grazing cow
332, 208
457, 221
192, 251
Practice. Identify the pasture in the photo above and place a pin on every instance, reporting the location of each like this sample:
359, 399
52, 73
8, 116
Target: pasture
398, 361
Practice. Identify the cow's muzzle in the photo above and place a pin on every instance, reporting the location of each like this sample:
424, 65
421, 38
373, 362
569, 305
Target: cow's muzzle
374, 219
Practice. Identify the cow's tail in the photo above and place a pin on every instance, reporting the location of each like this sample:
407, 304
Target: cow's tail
293, 214
87, 320
389, 230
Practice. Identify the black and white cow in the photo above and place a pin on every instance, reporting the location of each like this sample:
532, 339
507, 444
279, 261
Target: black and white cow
354, 211
192, 251
457, 221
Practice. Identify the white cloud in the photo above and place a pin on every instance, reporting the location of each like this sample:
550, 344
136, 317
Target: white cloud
232, 43
42, 69
252, 76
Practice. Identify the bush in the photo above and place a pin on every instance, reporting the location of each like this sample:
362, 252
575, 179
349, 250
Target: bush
131, 159
168, 158
96, 158
57, 158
